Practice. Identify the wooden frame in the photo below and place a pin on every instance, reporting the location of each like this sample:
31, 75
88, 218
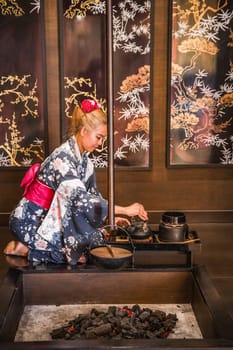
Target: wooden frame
48, 286
200, 89
23, 104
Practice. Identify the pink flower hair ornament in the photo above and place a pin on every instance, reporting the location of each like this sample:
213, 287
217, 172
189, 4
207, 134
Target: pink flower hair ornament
89, 105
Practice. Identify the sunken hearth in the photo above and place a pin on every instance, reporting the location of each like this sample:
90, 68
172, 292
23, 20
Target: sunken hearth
89, 321
139, 288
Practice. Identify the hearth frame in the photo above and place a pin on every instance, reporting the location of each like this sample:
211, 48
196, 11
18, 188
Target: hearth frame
46, 285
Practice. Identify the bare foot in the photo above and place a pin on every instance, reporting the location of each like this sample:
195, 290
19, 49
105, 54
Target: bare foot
17, 261
16, 248
82, 259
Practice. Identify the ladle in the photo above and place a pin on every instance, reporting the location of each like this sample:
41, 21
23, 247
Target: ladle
109, 247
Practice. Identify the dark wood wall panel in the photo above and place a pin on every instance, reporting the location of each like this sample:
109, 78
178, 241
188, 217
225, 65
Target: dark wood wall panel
160, 188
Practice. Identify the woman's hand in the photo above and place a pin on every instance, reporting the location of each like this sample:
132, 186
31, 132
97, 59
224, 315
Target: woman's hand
136, 209
121, 221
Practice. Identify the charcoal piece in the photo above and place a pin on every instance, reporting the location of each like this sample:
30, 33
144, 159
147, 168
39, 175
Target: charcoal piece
130, 332
136, 309
125, 323
155, 324
146, 325
121, 313
93, 313
112, 310
150, 335
144, 315
141, 333
110, 318
169, 324
159, 332
172, 317
116, 337
115, 322
87, 323
80, 318
104, 329
67, 336
98, 321
58, 333
90, 333
161, 315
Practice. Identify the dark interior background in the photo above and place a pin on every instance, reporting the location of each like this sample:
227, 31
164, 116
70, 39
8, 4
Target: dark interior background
200, 190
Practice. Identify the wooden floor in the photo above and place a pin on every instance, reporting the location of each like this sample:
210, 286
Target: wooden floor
216, 255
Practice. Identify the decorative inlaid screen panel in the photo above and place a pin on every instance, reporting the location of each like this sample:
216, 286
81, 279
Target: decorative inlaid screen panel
22, 89
83, 56
200, 109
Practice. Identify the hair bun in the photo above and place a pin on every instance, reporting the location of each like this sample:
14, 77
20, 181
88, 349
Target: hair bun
89, 105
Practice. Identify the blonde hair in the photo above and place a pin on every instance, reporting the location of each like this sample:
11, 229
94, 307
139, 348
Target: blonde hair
89, 120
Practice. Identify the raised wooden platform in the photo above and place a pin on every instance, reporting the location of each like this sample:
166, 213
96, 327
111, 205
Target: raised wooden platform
215, 255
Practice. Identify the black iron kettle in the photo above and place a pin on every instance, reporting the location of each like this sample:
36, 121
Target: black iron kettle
139, 230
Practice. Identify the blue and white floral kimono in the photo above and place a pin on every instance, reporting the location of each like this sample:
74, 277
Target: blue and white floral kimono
76, 214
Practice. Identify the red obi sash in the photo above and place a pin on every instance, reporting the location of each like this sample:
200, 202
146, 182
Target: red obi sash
34, 190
